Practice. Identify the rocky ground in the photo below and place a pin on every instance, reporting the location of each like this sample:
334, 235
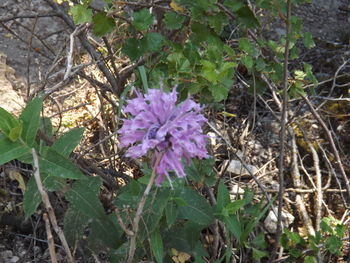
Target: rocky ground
33, 43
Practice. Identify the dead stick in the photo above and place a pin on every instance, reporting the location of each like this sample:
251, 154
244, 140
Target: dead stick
331, 141
49, 208
50, 240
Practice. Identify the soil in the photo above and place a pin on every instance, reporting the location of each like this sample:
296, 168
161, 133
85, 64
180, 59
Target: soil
25, 62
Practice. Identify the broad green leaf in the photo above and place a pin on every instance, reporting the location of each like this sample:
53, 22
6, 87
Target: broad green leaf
133, 48
218, 22
52, 183
105, 233
234, 206
334, 245
198, 209
173, 20
171, 212
102, 24
46, 126
10, 125
142, 19
152, 41
30, 118
55, 164
219, 92
247, 17
235, 5
84, 197
68, 141
74, 224
233, 225
157, 246
223, 197
31, 198
11, 150
81, 14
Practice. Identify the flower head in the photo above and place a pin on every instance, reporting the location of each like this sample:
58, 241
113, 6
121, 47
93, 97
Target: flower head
159, 124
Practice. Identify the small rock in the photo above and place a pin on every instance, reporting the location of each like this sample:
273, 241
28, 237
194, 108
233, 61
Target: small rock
237, 168
14, 259
234, 191
271, 221
212, 137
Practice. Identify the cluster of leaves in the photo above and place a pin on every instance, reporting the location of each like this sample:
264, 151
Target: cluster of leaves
187, 44
180, 214
328, 239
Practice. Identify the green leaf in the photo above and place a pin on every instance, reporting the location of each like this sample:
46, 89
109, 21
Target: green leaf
46, 126
30, 118
157, 246
308, 40
142, 19
31, 198
247, 17
219, 92
233, 207
179, 63
105, 232
173, 20
133, 48
81, 14
9, 125
68, 141
246, 45
310, 259
171, 212
55, 164
223, 197
52, 183
258, 254
247, 61
197, 209
143, 75
152, 41
11, 150
102, 24
235, 5
84, 197
233, 225
74, 224
333, 245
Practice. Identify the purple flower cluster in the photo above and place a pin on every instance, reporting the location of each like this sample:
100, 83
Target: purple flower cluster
158, 124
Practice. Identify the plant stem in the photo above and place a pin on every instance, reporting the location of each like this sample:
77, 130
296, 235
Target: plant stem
139, 210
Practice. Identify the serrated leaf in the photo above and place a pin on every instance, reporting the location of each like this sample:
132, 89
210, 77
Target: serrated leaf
11, 150
247, 61
55, 164
245, 45
84, 197
81, 14
52, 183
152, 41
173, 21
197, 209
258, 254
31, 198
105, 232
142, 19
233, 4
68, 141
223, 197
15, 132
133, 48
102, 24
157, 246
74, 224
171, 212
310, 259
30, 118
233, 226
8, 122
